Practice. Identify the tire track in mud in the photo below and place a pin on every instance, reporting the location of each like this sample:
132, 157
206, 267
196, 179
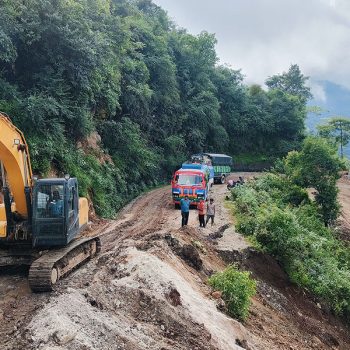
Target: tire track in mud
145, 215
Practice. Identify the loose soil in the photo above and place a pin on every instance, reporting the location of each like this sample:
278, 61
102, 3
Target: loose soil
148, 290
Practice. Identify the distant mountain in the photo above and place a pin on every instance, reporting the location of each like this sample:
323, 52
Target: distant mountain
337, 103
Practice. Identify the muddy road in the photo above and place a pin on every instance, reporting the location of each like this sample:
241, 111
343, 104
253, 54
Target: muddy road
147, 290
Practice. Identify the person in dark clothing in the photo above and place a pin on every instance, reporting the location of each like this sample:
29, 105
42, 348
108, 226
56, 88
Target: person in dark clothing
185, 210
241, 180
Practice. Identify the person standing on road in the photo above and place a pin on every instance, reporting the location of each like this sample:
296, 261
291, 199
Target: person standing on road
210, 211
185, 210
201, 213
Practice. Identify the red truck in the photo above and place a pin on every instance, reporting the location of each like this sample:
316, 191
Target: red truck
191, 180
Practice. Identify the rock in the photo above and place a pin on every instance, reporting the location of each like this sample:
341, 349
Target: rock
221, 305
243, 343
174, 297
62, 337
220, 232
187, 252
217, 294
173, 243
190, 254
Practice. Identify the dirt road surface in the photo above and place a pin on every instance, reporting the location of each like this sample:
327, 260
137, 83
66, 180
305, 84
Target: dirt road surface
148, 290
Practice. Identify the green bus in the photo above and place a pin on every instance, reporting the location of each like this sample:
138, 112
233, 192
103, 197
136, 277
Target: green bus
221, 163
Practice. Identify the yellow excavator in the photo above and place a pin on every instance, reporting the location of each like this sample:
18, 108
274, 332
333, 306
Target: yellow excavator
40, 220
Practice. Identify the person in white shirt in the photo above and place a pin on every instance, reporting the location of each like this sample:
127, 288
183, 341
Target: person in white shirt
210, 211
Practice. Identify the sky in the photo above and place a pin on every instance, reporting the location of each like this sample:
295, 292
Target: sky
264, 37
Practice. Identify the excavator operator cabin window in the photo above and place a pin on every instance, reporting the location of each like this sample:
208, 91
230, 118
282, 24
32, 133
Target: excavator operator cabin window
50, 201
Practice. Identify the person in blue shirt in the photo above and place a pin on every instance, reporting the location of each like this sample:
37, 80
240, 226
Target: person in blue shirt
56, 206
185, 210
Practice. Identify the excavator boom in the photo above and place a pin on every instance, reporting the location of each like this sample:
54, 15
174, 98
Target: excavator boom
14, 156
16, 177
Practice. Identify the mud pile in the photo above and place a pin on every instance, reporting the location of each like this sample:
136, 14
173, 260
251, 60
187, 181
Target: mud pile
137, 299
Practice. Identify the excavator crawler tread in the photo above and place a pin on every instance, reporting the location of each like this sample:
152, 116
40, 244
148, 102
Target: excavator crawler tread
55, 264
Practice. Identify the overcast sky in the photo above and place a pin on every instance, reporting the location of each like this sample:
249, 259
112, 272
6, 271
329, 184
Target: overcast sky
263, 37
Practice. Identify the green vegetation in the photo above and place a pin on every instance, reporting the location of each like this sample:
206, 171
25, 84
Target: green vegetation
121, 69
275, 210
337, 130
237, 288
253, 162
317, 166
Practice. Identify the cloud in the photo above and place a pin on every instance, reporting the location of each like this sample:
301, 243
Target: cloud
263, 37
318, 91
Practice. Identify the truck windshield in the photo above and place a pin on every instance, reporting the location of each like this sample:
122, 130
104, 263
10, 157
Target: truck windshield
49, 201
186, 179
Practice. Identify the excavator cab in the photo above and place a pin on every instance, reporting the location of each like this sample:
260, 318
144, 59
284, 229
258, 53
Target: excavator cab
55, 212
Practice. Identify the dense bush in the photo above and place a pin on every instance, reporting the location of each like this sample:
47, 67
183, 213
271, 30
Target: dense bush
237, 288
290, 227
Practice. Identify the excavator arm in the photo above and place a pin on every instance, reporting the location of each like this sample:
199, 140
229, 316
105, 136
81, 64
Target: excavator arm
16, 175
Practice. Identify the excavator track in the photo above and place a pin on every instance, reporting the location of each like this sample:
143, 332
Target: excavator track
45, 271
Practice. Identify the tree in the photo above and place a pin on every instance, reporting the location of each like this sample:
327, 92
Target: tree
292, 82
317, 165
338, 130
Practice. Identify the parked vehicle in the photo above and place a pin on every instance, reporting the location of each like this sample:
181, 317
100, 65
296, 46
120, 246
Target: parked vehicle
221, 163
191, 180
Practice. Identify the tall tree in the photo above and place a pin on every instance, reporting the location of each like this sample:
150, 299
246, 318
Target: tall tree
292, 82
338, 130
